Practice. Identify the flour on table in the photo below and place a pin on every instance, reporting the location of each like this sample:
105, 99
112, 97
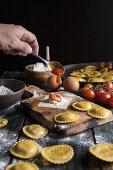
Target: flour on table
5, 91
35, 94
69, 94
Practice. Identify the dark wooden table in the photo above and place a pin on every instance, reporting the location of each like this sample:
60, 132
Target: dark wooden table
81, 143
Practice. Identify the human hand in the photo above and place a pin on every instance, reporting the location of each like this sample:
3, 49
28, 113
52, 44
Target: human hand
16, 40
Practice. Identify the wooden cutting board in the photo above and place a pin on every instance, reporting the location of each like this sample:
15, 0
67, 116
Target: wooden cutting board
45, 116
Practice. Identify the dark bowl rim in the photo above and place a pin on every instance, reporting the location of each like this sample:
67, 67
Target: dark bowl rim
84, 64
16, 91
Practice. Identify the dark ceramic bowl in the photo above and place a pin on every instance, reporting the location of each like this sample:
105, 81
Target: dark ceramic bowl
16, 86
72, 67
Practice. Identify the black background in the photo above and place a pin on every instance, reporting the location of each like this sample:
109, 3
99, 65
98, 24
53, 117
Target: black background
76, 31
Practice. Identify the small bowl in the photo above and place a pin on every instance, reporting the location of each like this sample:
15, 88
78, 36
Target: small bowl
37, 77
16, 86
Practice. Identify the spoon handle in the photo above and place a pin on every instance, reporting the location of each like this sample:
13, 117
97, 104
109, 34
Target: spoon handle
36, 55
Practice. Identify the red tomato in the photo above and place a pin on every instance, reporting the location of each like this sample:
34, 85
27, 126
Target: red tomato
111, 92
107, 86
98, 92
55, 97
59, 72
59, 80
83, 90
89, 85
89, 94
110, 102
98, 86
109, 66
104, 97
101, 65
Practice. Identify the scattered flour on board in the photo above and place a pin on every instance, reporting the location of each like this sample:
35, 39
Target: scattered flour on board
35, 94
5, 91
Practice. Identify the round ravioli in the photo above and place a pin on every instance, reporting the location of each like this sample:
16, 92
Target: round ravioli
77, 74
25, 149
3, 122
100, 112
80, 79
96, 79
104, 70
108, 77
103, 151
66, 117
83, 105
22, 166
58, 154
91, 67
35, 131
109, 73
93, 74
85, 71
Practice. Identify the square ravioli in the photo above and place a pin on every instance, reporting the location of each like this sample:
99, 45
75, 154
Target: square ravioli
46, 103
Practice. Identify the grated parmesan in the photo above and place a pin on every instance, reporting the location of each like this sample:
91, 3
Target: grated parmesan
40, 67
5, 91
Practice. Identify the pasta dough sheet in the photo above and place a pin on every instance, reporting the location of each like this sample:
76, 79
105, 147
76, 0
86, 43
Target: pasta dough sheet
45, 103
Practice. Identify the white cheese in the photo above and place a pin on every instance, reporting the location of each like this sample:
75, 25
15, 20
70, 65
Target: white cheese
40, 67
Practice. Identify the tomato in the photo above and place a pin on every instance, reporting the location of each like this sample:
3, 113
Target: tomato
108, 86
97, 87
104, 97
110, 102
83, 90
98, 92
89, 85
109, 66
59, 72
55, 97
89, 94
101, 65
59, 80
111, 92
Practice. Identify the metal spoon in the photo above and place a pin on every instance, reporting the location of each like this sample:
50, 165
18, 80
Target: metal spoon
51, 64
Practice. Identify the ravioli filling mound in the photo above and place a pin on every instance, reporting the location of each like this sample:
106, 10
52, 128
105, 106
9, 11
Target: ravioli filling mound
103, 151
83, 105
25, 149
66, 117
58, 154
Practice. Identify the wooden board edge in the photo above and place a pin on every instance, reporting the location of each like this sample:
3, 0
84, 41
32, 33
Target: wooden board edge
66, 131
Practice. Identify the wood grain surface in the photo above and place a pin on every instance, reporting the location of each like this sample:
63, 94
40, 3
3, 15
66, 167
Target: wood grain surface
81, 142
46, 115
